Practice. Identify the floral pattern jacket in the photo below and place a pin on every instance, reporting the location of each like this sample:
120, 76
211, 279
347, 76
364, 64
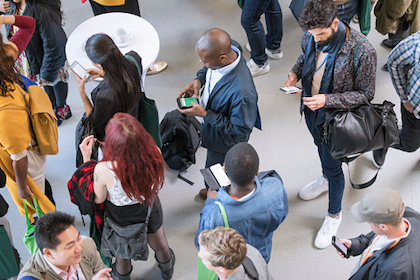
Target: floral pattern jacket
354, 74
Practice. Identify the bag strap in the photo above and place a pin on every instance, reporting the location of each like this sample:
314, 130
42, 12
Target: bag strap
355, 54
185, 179
139, 70
35, 206
222, 209
250, 268
363, 185
149, 211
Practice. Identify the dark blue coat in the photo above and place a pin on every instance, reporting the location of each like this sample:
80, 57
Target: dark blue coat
232, 109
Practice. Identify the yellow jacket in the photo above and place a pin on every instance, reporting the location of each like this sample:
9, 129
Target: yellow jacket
110, 2
15, 135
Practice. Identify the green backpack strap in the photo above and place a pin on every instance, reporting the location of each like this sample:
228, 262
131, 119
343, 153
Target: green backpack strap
222, 209
355, 54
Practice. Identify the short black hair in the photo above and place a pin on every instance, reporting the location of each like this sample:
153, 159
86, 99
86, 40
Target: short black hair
241, 164
318, 14
49, 226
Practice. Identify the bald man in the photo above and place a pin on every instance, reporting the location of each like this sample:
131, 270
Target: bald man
227, 105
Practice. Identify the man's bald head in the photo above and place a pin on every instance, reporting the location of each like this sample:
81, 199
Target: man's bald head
214, 42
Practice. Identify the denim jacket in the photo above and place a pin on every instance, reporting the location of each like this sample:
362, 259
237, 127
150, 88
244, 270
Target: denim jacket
255, 218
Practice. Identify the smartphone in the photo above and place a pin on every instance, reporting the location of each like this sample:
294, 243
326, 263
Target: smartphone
184, 103
79, 71
340, 247
291, 89
220, 175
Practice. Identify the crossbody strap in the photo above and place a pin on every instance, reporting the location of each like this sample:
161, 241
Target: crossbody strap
222, 209
149, 211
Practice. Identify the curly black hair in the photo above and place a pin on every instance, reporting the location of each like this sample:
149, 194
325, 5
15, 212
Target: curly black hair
318, 14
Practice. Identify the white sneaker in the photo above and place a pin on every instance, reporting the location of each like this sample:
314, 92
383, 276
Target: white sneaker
314, 189
257, 70
248, 47
328, 229
274, 54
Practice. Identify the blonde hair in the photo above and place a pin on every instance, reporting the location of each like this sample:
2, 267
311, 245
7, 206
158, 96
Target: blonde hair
227, 248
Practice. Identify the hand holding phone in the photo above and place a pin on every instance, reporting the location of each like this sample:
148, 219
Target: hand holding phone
184, 103
80, 71
290, 90
340, 247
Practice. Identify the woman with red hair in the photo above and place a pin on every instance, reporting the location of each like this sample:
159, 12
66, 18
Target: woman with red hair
128, 180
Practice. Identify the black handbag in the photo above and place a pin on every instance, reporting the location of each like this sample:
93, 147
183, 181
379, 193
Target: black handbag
367, 128
350, 133
125, 242
84, 128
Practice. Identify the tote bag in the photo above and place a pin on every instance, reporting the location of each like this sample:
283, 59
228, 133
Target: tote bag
148, 115
203, 272
29, 238
8, 264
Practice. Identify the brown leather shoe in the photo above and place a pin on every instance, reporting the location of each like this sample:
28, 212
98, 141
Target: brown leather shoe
203, 193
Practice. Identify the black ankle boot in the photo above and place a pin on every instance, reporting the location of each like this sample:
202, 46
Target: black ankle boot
116, 276
167, 268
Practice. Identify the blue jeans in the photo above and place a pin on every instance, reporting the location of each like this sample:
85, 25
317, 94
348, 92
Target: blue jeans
250, 20
331, 168
347, 10
410, 132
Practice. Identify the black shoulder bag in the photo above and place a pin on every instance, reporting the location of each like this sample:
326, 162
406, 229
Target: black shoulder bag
369, 127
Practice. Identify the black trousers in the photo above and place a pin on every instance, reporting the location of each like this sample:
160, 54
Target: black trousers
410, 132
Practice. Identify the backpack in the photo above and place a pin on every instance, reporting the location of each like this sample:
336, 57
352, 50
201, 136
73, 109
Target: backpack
81, 188
180, 139
41, 115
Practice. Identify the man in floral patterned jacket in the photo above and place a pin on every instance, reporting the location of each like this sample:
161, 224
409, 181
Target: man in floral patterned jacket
337, 69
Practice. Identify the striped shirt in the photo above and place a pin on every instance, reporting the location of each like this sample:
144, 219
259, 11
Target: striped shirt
404, 67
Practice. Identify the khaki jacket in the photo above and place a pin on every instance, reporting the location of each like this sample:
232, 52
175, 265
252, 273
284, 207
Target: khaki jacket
389, 13
90, 264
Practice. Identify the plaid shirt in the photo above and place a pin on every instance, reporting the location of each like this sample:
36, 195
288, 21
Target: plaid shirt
404, 67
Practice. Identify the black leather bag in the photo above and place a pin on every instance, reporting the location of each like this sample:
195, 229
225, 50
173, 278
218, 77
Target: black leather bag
350, 133
353, 132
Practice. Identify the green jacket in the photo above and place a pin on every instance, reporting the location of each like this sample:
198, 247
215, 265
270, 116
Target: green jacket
389, 13
90, 264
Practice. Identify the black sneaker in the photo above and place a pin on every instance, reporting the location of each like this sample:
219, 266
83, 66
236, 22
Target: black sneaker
391, 43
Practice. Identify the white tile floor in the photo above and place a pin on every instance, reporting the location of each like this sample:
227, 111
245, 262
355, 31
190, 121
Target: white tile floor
284, 145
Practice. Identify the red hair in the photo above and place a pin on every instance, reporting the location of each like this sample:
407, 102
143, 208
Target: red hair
135, 158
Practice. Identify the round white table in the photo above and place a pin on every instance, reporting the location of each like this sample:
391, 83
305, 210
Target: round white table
143, 38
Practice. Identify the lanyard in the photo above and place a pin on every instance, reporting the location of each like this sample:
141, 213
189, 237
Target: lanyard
368, 254
325, 59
